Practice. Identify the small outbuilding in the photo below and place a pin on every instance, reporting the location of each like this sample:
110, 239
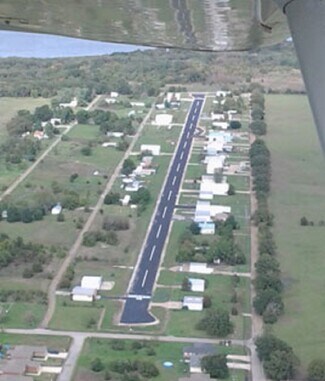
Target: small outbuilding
193, 303
94, 282
163, 119
207, 228
154, 149
197, 285
57, 209
80, 294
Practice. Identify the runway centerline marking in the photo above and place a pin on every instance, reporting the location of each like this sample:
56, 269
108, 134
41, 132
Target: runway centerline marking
164, 213
182, 154
174, 180
158, 232
169, 195
152, 252
178, 166
144, 278
185, 144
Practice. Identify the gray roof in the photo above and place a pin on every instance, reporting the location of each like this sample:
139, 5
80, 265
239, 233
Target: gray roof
195, 361
11, 377
83, 291
200, 349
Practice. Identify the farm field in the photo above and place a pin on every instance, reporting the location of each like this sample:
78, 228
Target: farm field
298, 189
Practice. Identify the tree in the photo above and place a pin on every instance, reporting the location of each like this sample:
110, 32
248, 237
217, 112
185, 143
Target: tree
186, 284
215, 366
268, 343
316, 370
194, 228
216, 323
43, 113
281, 365
304, 221
96, 365
128, 166
112, 198
142, 196
258, 127
231, 190
234, 125
82, 116
86, 151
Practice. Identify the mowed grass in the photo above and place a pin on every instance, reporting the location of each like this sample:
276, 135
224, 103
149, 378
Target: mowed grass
298, 189
10, 106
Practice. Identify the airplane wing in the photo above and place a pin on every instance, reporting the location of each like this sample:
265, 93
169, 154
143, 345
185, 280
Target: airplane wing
213, 25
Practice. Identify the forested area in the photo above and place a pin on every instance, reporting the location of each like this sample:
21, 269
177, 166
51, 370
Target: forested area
138, 73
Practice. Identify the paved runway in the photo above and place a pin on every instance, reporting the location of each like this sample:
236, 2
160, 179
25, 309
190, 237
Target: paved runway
136, 306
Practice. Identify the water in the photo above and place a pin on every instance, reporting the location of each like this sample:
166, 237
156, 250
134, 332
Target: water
19, 44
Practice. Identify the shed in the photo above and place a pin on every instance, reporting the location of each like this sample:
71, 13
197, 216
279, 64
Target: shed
80, 294
57, 209
217, 116
163, 119
93, 282
222, 125
193, 303
125, 200
153, 148
133, 187
200, 268
197, 285
114, 94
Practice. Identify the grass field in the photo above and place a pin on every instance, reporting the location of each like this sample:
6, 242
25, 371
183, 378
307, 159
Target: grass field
298, 189
58, 342
161, 352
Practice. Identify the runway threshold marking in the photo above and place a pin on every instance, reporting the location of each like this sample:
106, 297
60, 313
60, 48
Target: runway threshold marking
144, 278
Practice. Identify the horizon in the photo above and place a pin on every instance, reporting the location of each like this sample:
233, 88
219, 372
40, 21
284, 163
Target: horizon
33, 45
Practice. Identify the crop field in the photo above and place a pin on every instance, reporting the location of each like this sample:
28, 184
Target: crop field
298, 189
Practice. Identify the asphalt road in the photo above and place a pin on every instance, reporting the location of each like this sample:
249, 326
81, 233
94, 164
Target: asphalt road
136, 306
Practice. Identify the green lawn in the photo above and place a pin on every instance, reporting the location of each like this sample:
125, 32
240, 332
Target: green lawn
166, 138
298, 189
21, 315
58, 342
161, 352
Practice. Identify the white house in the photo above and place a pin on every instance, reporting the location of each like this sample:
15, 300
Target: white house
222, 125
163, 119
72, 104
93, 282
197, 285
214, 148
207, 228
222, 93
137, 104
154, 149
205, 212
200, 268
57, 209
114, 94
217, 189
214, 163
80, 294
133, 187
160, 106
55, 121
218, 116
193, 303
109, 144
115, 134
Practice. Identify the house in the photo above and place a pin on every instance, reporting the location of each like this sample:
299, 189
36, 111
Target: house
55, 121
213, 148
221, 136
57, 209
200, 268
40, 135
137, 104
217, 189
115, 134
222, 125
114, 94
93, 282
193, 303
125, 200
109, 144
214, 163
110, 101
80, 294
193, 354
160, 106
197, 285
141, 170
72, 104
163, 119
133, 187
205, 212
222, 93
218, 116
207, 228
152, 148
